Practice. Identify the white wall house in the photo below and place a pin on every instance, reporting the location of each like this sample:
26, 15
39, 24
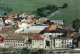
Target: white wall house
22, 15
21, 26
63, 43
14, 42
60, 43
38, 42
58, 22
9, 20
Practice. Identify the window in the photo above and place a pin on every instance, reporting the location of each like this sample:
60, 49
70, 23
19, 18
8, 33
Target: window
67, 42
59, 39
70, 42
56, 43
14, 44
56, 39
23, 44
18, 41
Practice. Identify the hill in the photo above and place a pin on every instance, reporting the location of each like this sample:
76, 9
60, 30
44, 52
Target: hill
29, 6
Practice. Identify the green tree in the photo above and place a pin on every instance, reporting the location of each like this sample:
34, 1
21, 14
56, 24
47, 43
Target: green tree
52, 7
76, 25
5, 13
45, 11
65, 5
26, 51
41, 51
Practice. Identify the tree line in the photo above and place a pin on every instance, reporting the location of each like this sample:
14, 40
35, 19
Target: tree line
76, 25
45, 11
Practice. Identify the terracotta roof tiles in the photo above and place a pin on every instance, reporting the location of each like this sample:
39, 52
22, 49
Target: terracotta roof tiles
51, 27
32, 21
14, 38
37, 38
9, 18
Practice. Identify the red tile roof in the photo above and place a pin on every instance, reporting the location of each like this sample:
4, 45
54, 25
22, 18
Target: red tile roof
9, 18
51, 27
32, 21
1, 38
22, 14
37, 38
1, 41
68, 35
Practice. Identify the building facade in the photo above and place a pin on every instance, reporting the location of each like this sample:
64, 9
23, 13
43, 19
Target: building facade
15, 42
61, 43
38, 42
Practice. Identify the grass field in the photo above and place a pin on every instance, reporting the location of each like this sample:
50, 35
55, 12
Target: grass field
28, 6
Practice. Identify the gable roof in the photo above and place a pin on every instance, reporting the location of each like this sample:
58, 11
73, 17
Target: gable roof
32, 21
9, 18
22, 14
51, 27
14, 38
37, 38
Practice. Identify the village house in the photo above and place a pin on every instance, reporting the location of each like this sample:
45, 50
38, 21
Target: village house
22, 15
22, 26
41, 20
53, 31
57, 32
51, 27
33, 22
38, 42
16, 42
61, 42
9, 20
58, 22
23, 20
30, 27
13, 16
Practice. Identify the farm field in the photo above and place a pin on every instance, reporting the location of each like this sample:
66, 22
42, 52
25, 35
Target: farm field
29, 6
